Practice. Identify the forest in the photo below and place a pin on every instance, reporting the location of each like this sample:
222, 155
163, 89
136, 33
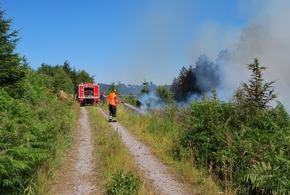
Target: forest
244, 144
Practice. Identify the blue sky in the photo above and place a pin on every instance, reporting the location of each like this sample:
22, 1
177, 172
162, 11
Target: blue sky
130, 41
120, 40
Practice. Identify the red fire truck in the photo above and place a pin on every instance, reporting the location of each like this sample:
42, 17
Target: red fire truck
88, 93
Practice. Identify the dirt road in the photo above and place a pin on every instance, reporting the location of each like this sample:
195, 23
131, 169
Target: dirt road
78, 175
154, 170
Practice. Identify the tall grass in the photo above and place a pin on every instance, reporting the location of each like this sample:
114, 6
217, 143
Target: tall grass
241, 150
115, 165
160, 131
48, 171
65, 124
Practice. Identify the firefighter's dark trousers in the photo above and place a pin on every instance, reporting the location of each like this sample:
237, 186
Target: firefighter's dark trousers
112, 112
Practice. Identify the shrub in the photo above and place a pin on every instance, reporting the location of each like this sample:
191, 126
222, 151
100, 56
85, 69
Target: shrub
124, 183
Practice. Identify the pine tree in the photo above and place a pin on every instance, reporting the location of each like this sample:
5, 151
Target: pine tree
184, 84
256, 93
145, 89
11, 71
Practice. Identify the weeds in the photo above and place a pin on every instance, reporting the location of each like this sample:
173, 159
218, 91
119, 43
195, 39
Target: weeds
161, 131
124, 183
117, 171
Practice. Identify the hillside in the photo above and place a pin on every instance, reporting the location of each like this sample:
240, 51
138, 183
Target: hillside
127, 89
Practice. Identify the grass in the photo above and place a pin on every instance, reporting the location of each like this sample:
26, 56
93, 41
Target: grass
47, 173
112, 157
159, 132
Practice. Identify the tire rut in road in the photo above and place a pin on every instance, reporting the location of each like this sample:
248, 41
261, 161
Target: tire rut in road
78, 175
153, 169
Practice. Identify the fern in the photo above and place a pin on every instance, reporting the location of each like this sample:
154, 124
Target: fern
263, 177
258, 174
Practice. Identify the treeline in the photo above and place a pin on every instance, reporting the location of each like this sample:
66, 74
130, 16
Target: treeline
199, 80
34, 119
63, 77
126, 89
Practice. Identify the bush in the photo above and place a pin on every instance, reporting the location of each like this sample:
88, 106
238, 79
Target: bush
124, 183
27, 137
249, 152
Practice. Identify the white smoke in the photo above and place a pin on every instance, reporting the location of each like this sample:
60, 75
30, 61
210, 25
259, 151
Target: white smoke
161, 42
150, 101
266, 38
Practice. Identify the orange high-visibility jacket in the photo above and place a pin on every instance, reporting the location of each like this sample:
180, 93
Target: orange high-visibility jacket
112, 99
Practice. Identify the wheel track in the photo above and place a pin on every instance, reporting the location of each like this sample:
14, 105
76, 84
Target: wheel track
154, 170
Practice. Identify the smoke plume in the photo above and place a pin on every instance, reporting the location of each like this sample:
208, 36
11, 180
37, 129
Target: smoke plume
266, 38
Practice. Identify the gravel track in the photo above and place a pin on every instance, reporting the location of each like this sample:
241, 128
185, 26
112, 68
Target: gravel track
154, 170
78, 175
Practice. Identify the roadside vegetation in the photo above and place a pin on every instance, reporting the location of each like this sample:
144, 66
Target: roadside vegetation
117, 171
239, 147
34, 130
160, 131
36, 120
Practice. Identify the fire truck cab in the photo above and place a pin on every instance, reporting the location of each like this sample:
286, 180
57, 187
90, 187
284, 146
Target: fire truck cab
88, 93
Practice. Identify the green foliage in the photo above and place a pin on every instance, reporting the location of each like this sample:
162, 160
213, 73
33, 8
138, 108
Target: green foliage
196, 80
234, 141
32, 117
165, 94
62, 81
130, 99
63, 77
36, 87
124, 183
11, 65
256, 93
263, 177
117, 170
233, 146
27, 136
113, 87
84, 77
31, 120
145, 89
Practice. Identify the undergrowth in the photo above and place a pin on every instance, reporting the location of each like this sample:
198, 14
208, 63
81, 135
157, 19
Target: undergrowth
219, 147
160, 130
117, 171
29, 138
47, 172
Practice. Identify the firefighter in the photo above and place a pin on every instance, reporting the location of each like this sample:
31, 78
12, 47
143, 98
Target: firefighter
103, 98
112, 102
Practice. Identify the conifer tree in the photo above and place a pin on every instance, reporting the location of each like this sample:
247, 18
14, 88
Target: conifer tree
113, 87
145, 89
11, 72
256, 93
